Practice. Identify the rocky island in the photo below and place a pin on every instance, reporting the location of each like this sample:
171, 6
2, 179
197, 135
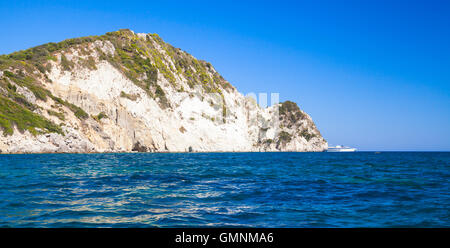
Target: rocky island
126, 91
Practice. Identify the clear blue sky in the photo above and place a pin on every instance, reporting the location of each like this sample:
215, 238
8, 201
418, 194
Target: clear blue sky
372, 74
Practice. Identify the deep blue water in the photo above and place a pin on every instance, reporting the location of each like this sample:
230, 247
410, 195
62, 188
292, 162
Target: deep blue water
362, 189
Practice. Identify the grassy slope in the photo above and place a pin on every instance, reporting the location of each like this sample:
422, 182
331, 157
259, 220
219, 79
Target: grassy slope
137, 58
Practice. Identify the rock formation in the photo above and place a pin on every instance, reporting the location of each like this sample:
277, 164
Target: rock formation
123, 92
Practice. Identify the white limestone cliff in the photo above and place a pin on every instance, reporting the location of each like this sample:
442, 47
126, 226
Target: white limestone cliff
190, 118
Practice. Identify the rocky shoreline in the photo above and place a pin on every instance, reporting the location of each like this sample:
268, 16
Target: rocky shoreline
125, 92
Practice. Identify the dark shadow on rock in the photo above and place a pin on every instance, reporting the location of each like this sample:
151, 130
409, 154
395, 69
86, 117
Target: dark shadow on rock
139, 148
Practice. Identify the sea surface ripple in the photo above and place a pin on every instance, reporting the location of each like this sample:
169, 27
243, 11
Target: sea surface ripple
362, 189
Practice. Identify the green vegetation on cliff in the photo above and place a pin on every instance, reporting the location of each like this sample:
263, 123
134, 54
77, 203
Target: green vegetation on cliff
132, 97
12, 113
141, 58
78, 112
307, 135
284, 137
100, 116
25, 118
28, 82
289, 111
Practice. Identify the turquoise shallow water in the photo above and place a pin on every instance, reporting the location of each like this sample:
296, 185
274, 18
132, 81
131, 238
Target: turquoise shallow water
363, 189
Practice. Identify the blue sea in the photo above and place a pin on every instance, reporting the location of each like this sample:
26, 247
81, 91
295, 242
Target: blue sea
362, 189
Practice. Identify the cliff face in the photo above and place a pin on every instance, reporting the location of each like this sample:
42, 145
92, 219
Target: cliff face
123, 92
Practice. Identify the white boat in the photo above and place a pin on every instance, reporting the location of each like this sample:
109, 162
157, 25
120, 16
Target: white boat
340, 149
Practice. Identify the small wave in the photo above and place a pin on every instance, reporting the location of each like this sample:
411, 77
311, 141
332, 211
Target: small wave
226, 189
